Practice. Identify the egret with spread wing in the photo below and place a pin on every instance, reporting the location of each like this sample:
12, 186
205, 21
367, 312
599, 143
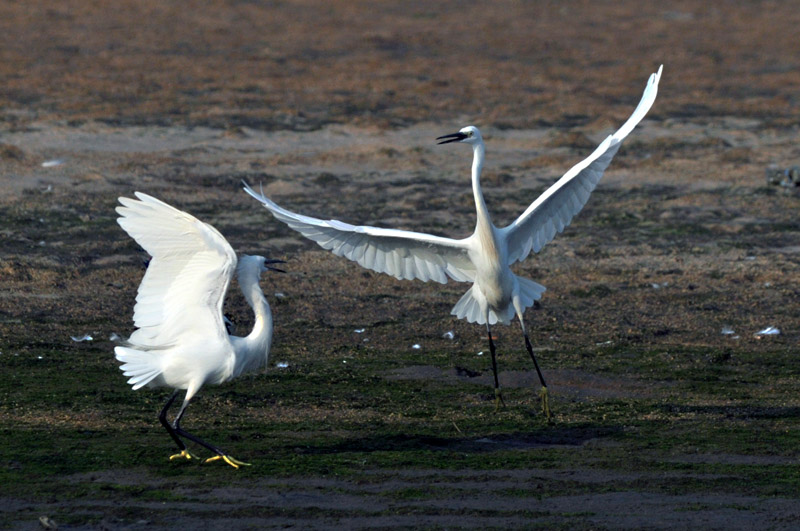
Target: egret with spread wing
485, 257
181, 340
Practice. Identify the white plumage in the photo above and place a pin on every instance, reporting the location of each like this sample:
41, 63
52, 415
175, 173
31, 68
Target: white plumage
181, 340
484, 257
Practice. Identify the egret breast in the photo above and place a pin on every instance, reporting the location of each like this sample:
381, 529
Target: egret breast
493, 277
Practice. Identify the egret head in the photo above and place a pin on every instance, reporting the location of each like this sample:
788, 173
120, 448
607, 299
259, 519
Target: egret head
255, 265
469, 135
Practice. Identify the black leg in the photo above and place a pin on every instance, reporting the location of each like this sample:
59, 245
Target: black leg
183, 433
545, 396
535, 364
176, 426
498, 396
162, 417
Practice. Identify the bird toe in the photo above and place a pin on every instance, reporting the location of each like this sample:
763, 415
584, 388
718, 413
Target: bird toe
235, 463
183, 455
545, 396
498, 400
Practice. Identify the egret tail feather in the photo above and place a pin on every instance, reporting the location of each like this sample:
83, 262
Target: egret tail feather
529, 291
142, 366
468, 308
470, 305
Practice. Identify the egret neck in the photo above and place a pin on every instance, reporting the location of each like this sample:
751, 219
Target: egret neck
478, 151
483, 224
257, 343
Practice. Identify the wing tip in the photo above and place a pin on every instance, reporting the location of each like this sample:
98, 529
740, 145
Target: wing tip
652, 83
247, 188
265, 201
654, 80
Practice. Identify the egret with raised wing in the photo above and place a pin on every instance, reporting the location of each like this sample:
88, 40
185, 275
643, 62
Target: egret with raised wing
485, 257
181, 340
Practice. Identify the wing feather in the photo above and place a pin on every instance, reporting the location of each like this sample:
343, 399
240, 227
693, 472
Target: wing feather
402, 254
556, 207
185, 283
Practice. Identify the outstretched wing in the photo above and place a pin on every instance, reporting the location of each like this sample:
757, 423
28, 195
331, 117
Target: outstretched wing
556, 207
402, 254
185, 284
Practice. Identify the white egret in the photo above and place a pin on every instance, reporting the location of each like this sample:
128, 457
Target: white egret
484, 257
181, 340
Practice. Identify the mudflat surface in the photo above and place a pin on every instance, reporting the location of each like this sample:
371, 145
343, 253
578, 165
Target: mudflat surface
661, 419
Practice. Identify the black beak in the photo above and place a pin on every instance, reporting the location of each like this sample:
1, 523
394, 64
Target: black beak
267, 263
455, 137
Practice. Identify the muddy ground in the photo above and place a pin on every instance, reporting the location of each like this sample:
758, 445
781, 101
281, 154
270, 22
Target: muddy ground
662, 420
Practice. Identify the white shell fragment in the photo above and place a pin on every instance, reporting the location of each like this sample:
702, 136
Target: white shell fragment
769, 331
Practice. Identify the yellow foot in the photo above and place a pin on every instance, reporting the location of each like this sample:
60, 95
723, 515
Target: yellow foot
546, 403
498, 399
183, 455
235, 463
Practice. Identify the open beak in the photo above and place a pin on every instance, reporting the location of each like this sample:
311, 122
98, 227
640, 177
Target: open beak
455, 137
268, 267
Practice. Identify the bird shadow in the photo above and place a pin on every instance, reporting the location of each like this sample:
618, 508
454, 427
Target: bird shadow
546, 437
